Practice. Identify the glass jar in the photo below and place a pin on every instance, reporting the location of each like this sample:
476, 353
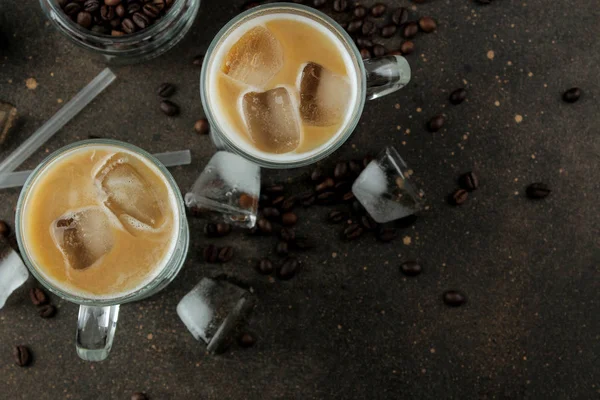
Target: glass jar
133, 48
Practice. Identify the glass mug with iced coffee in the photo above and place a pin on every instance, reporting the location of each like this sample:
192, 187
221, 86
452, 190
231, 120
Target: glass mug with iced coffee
101, 223
284, 85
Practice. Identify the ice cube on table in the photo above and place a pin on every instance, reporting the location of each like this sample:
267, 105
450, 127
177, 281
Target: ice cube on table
13, 272
128, 195
83, 236
227, 190
255, 58
384, 188
212, 310
272, 120
324, 96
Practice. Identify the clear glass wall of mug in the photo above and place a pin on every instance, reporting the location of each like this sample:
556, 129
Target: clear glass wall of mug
283, 85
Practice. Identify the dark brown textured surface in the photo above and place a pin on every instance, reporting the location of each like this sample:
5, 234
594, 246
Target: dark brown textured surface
349, 325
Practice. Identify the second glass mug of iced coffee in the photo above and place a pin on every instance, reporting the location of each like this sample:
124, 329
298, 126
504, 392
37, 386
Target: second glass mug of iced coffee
101, 223
284, 86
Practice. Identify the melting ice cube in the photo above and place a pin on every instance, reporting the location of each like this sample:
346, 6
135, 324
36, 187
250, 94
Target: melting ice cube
129, 195
272, 120
255, 58
324, 96
83, 236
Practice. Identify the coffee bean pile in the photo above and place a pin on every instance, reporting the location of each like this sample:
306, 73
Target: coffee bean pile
115, 17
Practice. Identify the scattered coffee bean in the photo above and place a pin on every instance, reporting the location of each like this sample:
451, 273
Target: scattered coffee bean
411, 268
355, 26
368, 28
407, 47
353, 231
326, 198
264, 226
400, 16
379, 50
308, 199
326, 184
364, 42
202, 126
282, 249
246, 340
38, 297
169, 108
340, 170
22, 356
264, 266
459, 197
288, 269
572, 95
436, 123
378, 10
538, 190
139, 396
365, 54
84, 19
211, 254
287, 234
319, 3
360, 11
388, 31
278, 201
386, 234
469, 181
458, 96
225, 254
427, 24
289, 203
368, 223
289, 219
4, 229
198, 60
47, 311
166, 89
316, 175
336, 216
410, 30
454, 298
348, 196
340, 5
274, 189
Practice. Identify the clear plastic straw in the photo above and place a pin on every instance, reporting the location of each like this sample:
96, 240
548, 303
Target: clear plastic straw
54, 124
169, 159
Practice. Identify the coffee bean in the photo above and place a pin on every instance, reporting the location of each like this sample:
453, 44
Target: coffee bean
38, 297
319, 3
106, 13
355, 167
378, 10
133, 7
388, 31
368, 28
116, 33
289, 219
271, 213
400, 16
454, 298
358, 208
264, 226
151, 10
211, 254
427, 24
364, 42
326, 198
368, 223
264, 266
198, 60
166, 89
342, 187
336, 216
225, 254
72, 9
289, 203
469, 181
411, 268
301, 243
210, 230
21, 356
347, 197
278, 201
223, 229
115, 23
379, 50
282, 249
288, 269
139, 396
365, 54
366, 161
47, 311
141, 20
355, 26
129, 27
274, 189
352, 231
340, 5
436, 123
572, 95
459, 197
308, 198
91, 5
360, 11
458, 96
246, 340
326, 184
538, 190
250, 5
202, 126
386, 234
120, 11
316, 175
340, 170
4, 229
166, 106
410, 30
287, 234
407, 47
112, 2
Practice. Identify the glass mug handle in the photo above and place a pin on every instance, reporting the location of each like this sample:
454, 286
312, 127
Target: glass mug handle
95, 331
385, 75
